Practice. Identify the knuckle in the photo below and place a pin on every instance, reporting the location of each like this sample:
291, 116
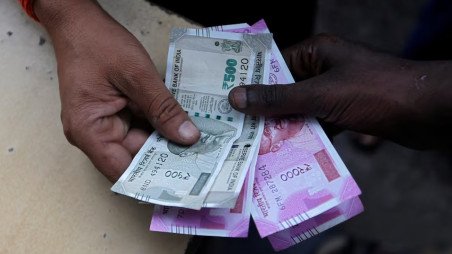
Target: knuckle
317, 52
73, 127
272, 96
319, 44
163, 109
69, 128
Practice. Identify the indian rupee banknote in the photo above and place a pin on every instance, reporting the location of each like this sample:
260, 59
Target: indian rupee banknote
282, 128
223, 222
314, 226
299, 174
202, 67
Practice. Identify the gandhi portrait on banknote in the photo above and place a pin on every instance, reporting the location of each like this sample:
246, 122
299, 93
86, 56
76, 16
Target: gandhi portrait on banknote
277, 130
214, 135
199, 160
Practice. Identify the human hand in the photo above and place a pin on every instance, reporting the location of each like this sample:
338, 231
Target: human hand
351, 87
107, 82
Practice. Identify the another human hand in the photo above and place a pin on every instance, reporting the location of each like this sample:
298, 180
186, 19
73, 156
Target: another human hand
352, 87
106, 80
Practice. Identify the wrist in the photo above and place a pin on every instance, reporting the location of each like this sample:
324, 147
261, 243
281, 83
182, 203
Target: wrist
56, 15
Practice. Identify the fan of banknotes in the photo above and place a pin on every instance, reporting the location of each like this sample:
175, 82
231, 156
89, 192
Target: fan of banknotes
284, 173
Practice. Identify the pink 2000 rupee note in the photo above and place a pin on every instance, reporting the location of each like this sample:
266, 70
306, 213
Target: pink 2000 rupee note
298, 233
299, 174
208, 221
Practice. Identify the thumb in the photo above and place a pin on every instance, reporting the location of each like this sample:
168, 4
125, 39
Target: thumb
312, 61
160, 108
305, 97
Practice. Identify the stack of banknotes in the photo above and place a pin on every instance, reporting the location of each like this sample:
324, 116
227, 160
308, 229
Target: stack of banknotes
284, 172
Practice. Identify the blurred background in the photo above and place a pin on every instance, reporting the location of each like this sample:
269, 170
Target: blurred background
407, 194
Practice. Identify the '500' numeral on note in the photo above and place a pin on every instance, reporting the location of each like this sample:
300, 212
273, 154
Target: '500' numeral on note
230, 71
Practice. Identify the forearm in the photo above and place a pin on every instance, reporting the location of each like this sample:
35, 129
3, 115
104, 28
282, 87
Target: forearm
74, 24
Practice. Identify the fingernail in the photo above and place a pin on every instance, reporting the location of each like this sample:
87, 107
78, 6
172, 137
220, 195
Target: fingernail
188, 130
239, 97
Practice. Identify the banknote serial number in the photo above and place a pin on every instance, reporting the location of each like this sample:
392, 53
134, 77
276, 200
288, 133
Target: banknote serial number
294, 172
266, 176
159, 163
176, 174
231, 71
265, 173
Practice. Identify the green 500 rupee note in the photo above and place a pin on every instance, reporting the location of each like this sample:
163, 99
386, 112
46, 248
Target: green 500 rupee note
203, 66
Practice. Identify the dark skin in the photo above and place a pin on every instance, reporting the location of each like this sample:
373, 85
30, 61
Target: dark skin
352, 87
108, 84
